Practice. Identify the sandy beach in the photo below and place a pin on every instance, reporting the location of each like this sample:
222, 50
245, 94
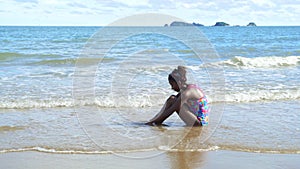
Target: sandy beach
174, 160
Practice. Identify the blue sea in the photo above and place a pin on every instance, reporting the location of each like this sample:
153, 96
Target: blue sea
89, 90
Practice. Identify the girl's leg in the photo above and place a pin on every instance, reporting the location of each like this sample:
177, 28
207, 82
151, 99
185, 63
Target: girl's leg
188, 117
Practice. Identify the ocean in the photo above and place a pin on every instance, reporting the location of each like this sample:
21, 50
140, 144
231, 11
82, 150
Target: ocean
88, 90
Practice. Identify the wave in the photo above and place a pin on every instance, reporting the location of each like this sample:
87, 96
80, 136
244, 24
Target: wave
11, 128
149, 101
73, 40
71, 61
260, 62
52, 150
68, 61
262, 95
4, 56
160, 148
9, 55
31, 103
106, 102
260, 150
78, 151
50, 59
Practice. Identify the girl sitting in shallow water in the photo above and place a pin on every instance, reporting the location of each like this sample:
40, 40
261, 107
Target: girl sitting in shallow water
190, 103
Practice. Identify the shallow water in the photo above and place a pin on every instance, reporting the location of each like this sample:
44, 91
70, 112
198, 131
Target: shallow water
59, 95
247, 127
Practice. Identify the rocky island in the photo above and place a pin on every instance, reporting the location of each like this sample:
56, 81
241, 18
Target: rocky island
178, 23
221, 24
251, 24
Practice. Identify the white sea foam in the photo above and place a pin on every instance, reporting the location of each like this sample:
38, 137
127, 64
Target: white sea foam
52, 150
260, 62
250, 95
254, 95
160, 148
30, 103
68, 151
169, 149
104, 102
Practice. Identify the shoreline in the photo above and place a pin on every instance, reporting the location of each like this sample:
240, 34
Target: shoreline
206, 160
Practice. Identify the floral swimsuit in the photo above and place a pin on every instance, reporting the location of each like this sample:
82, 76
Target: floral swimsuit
200, 108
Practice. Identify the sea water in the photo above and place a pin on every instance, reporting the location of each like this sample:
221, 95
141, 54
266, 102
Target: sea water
90, 89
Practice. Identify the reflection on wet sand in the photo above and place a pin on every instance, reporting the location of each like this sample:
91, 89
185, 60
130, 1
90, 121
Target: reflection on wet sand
186, 159
186, 153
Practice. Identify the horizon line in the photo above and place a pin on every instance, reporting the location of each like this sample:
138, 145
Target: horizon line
141, 26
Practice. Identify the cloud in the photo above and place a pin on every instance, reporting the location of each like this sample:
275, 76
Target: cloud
48, 12
132, 3
207, 12
266, 3
162, 4
79, 12
27, 1
77, 5
109, 4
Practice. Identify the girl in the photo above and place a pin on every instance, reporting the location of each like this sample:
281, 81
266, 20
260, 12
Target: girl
190, 103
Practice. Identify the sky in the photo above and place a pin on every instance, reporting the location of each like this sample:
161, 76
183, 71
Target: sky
104, 12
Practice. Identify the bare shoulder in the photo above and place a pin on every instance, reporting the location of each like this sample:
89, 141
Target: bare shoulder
191, 93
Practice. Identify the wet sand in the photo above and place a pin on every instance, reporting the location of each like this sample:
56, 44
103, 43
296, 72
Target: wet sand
155, 159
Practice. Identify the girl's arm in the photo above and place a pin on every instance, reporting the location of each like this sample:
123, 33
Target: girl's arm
170, 106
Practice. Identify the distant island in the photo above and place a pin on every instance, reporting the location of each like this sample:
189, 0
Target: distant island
221, 24
180, 23
251, 24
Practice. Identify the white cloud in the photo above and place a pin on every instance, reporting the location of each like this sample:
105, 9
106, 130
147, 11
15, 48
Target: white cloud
267, 3
53, 2
27, 1
103, 12
133, 3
